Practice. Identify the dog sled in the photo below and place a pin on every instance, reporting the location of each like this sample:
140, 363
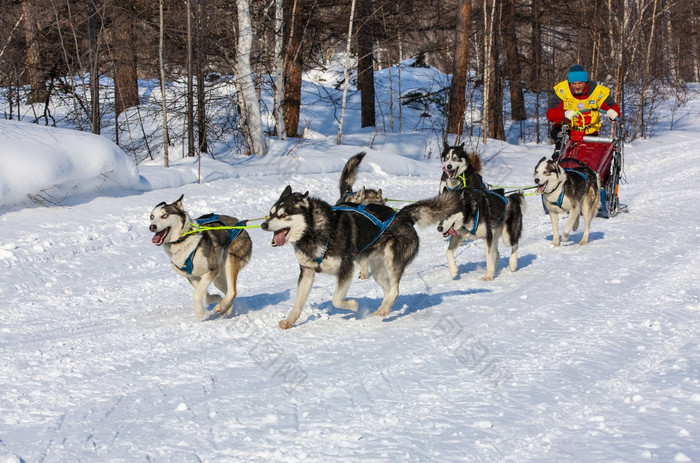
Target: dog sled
603, 155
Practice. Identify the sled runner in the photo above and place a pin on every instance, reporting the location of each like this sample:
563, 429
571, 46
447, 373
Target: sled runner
603, 155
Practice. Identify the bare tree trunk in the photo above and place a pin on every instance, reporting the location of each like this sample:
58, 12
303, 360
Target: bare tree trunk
37, 80
489, 19
255, 139
458, 85
279, 70
190, 77
126, 91
161, 65
201, 80
537, 60
517, 102
365, 63
346, 74
93, 22
293, 61
646, 76
495, 104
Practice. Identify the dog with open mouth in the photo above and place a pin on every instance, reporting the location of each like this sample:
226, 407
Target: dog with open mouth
460, 169
485, 215
212, 249
330, 239
568, 191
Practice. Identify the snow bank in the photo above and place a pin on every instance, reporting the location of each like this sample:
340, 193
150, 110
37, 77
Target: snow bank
49, 164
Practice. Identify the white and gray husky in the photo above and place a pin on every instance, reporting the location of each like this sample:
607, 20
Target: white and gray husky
330, 239
487, 215
203, 256
576, 192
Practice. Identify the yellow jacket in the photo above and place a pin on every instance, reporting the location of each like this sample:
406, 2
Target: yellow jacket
588, 105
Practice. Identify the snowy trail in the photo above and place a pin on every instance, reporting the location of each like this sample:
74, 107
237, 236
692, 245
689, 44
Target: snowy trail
585, 353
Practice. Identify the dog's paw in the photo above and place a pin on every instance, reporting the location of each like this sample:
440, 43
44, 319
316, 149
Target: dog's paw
487, 278
382, 312
363, 276
555, 244
582, 242
285, 324
222, 311
200, 313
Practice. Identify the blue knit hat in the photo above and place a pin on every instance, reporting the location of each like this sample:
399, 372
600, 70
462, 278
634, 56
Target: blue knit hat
577, 74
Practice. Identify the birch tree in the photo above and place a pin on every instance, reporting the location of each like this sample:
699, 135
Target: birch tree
161, 67
250, 107
346, 74
279, 70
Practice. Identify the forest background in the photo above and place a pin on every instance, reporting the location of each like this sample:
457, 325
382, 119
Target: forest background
231, 71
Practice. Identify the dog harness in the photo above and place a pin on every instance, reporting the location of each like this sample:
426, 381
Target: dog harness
583, 175
360, 209
463, 178
200, 226
476, 219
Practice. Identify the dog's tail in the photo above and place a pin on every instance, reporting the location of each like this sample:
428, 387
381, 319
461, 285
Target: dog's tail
430, 211
349, 175
513, 218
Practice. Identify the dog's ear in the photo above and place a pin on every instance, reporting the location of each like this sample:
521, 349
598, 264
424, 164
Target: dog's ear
445, 146
178, 203
287, 191
461, 146
379, 192
543, 158
305, 195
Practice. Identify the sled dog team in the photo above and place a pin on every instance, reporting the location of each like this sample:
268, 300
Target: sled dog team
360, 229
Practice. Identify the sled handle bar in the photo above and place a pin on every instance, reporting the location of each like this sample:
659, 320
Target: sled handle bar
593, 139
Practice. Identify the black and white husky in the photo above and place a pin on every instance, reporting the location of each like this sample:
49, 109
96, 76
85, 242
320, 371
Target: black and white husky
489, 216
460, 169
330, 239
576, 192
203, 256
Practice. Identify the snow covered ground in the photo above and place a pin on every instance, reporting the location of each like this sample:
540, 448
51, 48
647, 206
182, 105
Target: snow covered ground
585, 353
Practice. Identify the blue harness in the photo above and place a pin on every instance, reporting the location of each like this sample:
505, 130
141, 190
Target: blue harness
583, 175
476, 219
360, 209
204, 220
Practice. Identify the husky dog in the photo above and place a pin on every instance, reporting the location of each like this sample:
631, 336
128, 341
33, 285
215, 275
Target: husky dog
364, 196
490, 216
347, 180
203, 257
330, 239
568, 191
460, 169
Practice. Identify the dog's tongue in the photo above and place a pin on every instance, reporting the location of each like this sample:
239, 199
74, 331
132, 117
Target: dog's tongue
159, 237
278, 239
452, 231
540, 188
